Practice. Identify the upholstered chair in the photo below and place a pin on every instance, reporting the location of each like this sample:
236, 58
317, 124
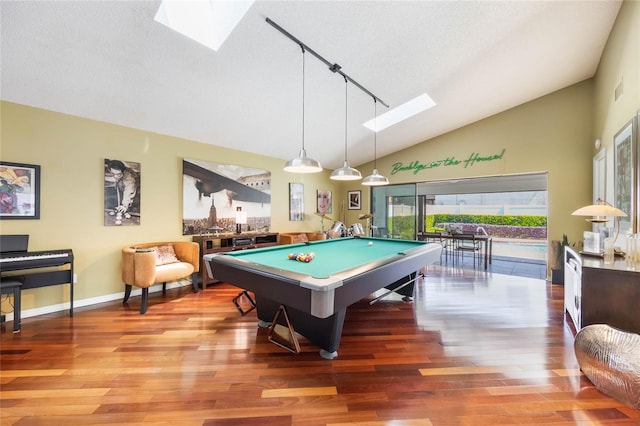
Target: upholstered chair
144, 265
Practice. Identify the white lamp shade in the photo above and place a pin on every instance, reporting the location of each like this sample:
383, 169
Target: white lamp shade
302, 164
599, 210
241, 218
345, 173
375, 179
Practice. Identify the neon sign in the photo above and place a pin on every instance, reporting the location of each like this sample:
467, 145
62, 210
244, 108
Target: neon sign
416, 166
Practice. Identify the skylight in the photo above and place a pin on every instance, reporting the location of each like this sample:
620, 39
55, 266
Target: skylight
208, 22
401, 113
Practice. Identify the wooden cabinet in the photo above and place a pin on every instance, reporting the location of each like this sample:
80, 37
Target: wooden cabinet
229, 242
602, 293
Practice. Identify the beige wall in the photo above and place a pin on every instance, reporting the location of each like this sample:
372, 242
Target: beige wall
550, 134
554, 133
71, 153
620, 64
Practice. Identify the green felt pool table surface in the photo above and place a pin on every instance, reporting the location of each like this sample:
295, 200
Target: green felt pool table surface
331, 256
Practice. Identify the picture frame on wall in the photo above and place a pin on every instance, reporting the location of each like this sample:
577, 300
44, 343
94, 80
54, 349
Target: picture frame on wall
296, 201
19, 191
121, 192
625, 176
324, 204
637, 132
354, 200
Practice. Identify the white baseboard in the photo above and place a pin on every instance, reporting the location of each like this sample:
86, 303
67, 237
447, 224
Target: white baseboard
93, 301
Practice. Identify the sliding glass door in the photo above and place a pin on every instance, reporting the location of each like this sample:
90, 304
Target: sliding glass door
394, 211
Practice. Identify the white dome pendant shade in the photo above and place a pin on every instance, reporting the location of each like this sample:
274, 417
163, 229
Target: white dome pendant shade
375, 179
345, 172
302, 163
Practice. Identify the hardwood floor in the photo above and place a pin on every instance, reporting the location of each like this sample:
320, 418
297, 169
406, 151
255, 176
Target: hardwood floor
474, 348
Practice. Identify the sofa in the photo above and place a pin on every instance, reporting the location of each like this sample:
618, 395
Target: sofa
147, 264
300, 237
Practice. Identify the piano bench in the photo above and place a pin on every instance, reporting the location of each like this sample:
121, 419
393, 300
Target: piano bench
13, 285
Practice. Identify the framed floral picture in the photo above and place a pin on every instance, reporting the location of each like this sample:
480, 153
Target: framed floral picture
19, 191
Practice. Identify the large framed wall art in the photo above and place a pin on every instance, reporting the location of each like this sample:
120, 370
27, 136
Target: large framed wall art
19, 191
625, 176
213, 192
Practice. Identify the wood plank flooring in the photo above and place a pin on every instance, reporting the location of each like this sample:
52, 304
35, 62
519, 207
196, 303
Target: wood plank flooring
474, 348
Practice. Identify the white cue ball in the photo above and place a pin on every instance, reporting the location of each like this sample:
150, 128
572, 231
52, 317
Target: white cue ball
370, 243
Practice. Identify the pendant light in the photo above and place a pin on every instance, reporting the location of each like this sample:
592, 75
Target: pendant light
375, 179
302, 163
345, 172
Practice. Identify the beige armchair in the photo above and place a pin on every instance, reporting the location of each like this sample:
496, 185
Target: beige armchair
144, 265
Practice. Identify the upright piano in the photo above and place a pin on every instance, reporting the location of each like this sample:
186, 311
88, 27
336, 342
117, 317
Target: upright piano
35, 269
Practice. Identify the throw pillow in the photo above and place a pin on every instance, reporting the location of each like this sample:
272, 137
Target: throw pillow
165, 254
300, 238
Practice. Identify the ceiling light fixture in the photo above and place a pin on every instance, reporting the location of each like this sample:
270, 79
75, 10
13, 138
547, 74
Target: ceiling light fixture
302, 163
345, 172
375, 179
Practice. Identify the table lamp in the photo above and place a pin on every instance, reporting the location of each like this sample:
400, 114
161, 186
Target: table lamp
241, 219
599, 213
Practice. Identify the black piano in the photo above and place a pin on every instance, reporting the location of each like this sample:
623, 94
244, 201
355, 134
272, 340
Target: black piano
35, 269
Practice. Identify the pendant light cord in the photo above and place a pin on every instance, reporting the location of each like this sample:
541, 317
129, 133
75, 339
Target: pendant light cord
346, 86
303, 74
375, 133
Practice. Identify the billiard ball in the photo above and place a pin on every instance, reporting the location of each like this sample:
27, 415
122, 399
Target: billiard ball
370, 243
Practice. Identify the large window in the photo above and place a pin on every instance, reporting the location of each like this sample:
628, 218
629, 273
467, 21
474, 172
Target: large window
507, 203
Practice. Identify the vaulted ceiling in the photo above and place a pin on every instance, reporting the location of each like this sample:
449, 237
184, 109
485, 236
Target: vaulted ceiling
110, 61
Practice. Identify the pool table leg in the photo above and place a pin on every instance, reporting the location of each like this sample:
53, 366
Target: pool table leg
322, 332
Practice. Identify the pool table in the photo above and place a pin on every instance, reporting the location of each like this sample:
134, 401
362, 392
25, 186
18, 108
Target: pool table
316, 294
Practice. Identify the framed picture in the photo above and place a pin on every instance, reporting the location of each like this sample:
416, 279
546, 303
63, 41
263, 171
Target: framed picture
121, 193
19, 191
296, 201
637, 130
324, 204
212, 192
354, 200
625, 176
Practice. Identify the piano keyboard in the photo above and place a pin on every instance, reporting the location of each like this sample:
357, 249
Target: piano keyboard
33, 257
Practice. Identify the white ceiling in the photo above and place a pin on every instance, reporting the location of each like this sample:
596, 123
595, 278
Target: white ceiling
110, 61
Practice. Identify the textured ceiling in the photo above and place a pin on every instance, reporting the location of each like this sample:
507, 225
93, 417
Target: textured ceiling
110, 61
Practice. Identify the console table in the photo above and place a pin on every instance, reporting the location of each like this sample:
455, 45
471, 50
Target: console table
596, 292
230, 242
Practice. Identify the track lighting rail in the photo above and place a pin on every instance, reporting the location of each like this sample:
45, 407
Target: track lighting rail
333, 67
